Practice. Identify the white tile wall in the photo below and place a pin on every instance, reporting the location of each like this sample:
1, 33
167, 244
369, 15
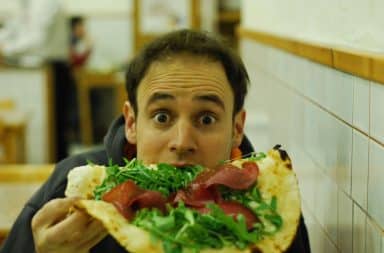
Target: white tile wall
375, 183
345, 228
321, 190
331, 207
341, 95
330, 247
319, 240
377, 112
382, 243
335, 132
313, 127
298, 75
329, 143
373, 240
361, 104
316, 235
328, 76
343, 151
297, 122
360, 168
308, 175
317, 82
359, 229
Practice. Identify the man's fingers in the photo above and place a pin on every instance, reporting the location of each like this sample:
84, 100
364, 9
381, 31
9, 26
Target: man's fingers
78, 229
55, 229
96, 233
52, 212
72, 227
96, 227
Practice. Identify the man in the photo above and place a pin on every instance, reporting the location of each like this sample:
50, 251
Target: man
185, 106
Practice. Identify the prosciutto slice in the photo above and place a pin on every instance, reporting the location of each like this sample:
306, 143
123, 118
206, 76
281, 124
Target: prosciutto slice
128, 198
233, 177
233, 209
197, 195
203, 189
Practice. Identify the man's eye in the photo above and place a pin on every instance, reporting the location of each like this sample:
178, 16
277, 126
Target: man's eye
161, 117
207, 120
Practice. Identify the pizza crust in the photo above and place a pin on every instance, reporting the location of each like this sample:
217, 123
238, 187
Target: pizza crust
83, 180
277, 179
129, 236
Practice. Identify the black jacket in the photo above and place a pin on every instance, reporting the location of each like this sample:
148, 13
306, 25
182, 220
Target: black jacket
20, 238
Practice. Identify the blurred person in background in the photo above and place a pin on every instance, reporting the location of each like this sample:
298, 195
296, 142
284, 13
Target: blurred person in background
80, 48
36, 36
81, 43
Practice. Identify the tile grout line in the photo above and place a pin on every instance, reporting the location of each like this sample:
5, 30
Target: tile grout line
285, 85
354, 83
322, 229
295, 91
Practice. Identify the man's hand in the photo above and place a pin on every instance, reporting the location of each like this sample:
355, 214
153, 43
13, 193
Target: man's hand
55, 230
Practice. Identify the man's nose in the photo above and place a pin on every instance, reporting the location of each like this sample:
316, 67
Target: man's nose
183, 138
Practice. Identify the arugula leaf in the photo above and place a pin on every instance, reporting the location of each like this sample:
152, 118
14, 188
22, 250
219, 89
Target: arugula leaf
164, 178
187, 228
257, 156
274, 203
253, 199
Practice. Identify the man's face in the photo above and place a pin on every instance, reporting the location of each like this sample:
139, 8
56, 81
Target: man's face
185, 106
79, 30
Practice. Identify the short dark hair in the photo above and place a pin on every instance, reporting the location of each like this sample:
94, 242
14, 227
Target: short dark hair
75, 20
195, 43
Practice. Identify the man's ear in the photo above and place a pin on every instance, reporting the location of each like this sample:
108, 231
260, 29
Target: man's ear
238, 128
130, 123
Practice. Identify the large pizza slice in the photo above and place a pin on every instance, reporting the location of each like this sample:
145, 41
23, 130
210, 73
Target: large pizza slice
245, 205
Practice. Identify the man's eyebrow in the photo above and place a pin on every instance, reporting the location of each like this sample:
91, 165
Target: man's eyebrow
158, 96
211, 98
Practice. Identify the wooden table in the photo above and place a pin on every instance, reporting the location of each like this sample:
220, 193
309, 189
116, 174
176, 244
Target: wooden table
17, 184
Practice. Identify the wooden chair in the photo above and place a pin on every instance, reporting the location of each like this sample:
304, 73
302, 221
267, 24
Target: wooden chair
12, 134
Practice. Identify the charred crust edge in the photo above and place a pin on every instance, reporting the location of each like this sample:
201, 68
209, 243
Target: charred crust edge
283, 154
256, 250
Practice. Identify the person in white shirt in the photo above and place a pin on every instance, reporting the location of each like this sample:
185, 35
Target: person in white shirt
37, 35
